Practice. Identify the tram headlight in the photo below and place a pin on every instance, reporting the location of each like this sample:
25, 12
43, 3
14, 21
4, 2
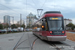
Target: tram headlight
42, 26
50, 31
63, 32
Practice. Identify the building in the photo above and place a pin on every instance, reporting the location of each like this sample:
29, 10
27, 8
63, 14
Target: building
67, 21
21, 22
30, 19
7, 19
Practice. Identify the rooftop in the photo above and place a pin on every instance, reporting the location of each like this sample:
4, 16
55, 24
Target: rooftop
68, 19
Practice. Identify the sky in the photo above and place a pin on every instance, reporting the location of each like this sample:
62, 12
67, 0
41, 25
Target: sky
16, 7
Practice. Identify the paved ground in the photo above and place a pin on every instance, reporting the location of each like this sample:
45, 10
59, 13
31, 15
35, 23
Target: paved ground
26, 39
72, 32
8, 41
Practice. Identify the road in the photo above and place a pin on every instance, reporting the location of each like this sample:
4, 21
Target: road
8, 41
30, 42
27, 41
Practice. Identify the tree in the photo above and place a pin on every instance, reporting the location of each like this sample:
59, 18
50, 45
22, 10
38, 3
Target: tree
6, 25
13, 26
23, 26
1, 26
18, 25
70, 25
28, 26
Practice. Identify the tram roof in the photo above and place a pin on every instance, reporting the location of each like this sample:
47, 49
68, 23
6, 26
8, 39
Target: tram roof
51, 14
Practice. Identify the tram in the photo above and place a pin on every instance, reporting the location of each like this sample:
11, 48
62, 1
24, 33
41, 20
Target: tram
50, 27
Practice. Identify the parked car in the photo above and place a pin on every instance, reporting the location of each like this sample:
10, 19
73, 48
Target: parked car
0, 31
15, 30
3, 30
20, 28
10, 30
26, 29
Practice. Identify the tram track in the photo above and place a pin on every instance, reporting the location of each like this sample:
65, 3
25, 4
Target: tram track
55, 45
32, 40
31, 44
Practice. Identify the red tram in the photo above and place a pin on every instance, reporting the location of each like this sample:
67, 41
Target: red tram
50, 27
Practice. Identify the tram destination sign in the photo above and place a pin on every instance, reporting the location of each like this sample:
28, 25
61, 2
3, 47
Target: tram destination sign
55, 18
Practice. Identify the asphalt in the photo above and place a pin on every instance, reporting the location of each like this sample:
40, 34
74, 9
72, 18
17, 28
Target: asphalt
8, 41
28, 41
31, 42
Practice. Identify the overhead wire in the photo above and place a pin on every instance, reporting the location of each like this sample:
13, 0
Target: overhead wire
34, 3
40, 7
43, 4
7, 7
26, 5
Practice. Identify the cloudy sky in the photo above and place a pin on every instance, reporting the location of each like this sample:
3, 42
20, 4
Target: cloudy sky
24, 7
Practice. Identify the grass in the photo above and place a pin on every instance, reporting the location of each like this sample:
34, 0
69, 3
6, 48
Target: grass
71, 36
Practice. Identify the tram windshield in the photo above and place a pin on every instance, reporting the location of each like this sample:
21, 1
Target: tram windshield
55, 23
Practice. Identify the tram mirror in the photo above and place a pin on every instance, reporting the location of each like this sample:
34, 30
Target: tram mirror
43, 19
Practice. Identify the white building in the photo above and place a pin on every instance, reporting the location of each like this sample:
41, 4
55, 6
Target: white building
30, 19
67, 21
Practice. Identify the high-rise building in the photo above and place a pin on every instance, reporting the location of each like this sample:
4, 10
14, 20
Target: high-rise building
22, 22
7, 19
30, 19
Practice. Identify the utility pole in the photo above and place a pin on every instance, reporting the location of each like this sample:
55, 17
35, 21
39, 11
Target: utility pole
29, 20
39, 12
6, 29
13, 20
20, 20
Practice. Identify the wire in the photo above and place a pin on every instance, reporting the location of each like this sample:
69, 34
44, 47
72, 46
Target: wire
43, 3
26, 12
7, 7
34, 3
40, 7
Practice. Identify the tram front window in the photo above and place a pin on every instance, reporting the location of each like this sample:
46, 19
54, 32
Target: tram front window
55, 25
